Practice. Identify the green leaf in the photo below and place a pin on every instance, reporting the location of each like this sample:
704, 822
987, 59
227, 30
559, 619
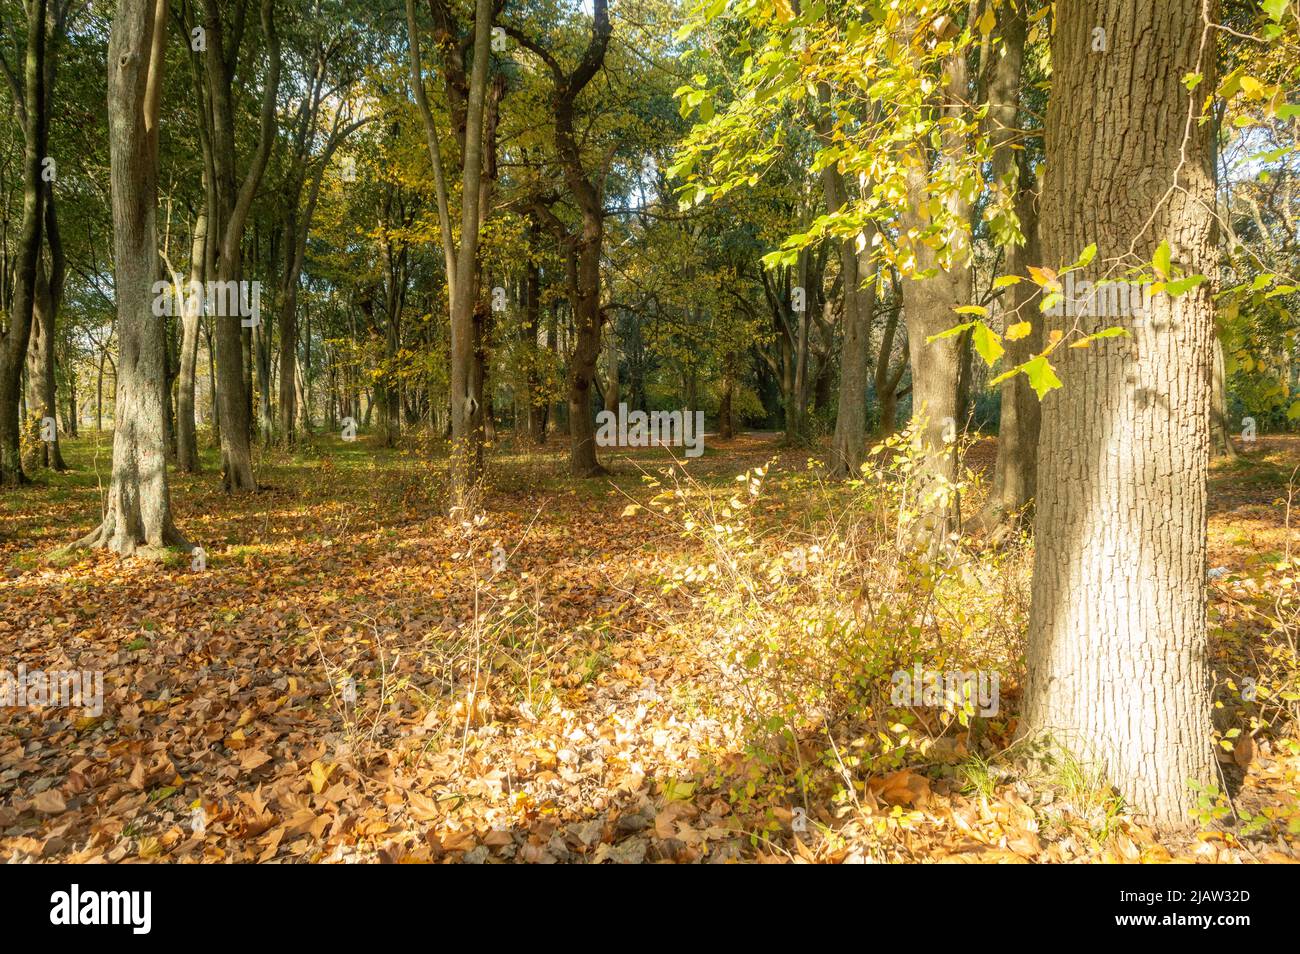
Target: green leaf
988, 343
1088, 255
1002, 281
1161, 260
949, 332
1042, 376
972, 310
1184, 285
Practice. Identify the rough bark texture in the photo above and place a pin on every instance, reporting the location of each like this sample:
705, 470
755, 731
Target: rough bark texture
1117, 643
138, 511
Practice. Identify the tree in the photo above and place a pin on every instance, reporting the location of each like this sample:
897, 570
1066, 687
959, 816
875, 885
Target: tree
1117, 641
138, 511
466, 97
34, 117
228, 216
586, 187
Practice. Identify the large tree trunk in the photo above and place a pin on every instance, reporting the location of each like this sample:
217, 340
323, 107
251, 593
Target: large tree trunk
14, 343
1117, 640
138, 512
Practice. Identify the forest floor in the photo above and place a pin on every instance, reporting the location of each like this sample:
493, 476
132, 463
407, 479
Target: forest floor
583, 673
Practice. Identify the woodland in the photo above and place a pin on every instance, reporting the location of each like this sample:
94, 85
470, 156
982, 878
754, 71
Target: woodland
642, 431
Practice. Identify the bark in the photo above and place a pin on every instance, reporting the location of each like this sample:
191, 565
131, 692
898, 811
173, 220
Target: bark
138, 511
1117, 669
34, 118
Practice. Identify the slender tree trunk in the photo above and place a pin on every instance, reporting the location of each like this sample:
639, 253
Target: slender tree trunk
1015, 472
138, 512
611, 371
1117, 669
1220, 432
849, 444
187, 450
582, 367
42, 389
233, 367
887, 383
928, 309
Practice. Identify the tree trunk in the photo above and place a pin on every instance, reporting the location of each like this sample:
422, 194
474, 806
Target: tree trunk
887, 383
582, 366
928, 308
43, 394
1015, 472
13, 345
234, 371
138, 512
1116, 658
1220, 433
187, 450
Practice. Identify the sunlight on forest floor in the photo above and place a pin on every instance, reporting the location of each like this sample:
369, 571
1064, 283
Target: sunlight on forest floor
697, 670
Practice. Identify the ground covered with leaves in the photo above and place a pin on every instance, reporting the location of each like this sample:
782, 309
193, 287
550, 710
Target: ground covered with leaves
687, 663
